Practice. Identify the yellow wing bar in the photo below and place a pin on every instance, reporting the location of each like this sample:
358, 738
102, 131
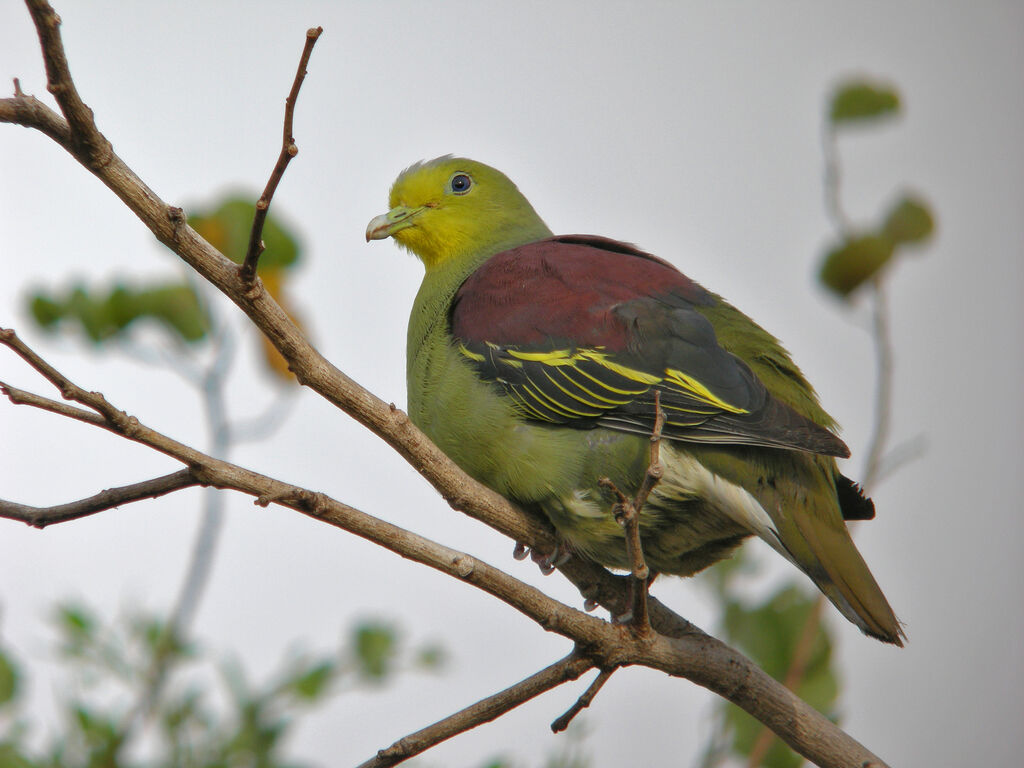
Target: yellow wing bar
564, 385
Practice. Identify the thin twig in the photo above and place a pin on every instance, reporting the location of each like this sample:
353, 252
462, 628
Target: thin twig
627, 513
654, 469
21, 397
896, 458
583, 701
483, 711
288, 151
84, 134
833, 204
679, 648
176, 629
40, 517
877, 445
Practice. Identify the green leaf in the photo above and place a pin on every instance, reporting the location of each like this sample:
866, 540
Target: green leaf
909, 221
314, 682
227, 228
860, 100
770, 633
12, 757
853, 262
76, 622
8, 680
106, 315
45, 311
375, 649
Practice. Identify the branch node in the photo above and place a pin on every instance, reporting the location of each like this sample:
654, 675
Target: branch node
254, 289
463, 565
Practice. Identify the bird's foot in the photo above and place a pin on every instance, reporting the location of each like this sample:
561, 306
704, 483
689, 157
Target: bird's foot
546, 562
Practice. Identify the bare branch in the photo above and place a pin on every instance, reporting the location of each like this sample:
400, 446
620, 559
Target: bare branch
794, 676
682, 650
833, 203
40, 517
583, 701
205, 469
84, 134
485, 710
21, 397
288, 151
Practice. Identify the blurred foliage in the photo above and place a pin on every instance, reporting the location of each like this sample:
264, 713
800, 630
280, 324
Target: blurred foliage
769, 631
571, 752
772, 630
860, 256
208, 715
226, 226
104, 314
176, 305
861, 100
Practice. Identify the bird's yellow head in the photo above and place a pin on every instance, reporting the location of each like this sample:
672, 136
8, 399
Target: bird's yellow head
452, 208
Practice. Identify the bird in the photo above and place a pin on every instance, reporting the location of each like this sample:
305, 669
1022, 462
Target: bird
534, 362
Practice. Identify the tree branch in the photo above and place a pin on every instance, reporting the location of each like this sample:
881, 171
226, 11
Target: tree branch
485, 710
583, 701
85, 137
680, 650
40, 517
288, 151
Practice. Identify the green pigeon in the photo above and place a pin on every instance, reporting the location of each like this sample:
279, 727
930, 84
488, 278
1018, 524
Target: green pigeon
533, 361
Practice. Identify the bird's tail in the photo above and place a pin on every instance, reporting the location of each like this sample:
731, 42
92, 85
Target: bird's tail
832, 561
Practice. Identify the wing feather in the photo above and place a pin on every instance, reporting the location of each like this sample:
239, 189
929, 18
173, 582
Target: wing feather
583, 331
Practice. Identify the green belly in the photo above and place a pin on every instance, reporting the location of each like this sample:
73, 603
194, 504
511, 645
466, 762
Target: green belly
556, 469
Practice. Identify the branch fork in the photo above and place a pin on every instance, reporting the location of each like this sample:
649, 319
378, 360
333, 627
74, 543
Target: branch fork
675, 646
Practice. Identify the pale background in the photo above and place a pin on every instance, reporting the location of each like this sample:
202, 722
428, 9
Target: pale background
690, 129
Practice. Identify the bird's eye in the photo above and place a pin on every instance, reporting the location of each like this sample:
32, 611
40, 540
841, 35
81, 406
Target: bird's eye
460, 183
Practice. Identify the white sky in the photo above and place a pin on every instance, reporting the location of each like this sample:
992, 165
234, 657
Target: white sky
690, 129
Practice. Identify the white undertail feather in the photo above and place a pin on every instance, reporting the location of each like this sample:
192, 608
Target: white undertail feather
729, 499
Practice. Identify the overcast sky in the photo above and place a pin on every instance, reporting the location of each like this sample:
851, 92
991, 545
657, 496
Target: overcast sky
690, 129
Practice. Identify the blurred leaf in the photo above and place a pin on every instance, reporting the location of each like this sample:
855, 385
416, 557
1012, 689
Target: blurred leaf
273, 281
431, 657
860, 100
770, 633
315, 681
105, 315
855, 261
909, 221
11, 757
76, 623
102, 735
8, 680
45, 311
375, 649
227, 228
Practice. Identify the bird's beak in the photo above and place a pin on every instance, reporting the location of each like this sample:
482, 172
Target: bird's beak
388, 224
